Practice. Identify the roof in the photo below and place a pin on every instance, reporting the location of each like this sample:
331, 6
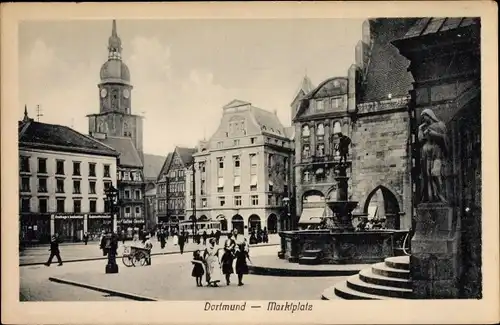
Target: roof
426, 26
386, 72
329, 91
128, 153
305, 87
152, 165
268, 121
290, 132
60, 138
166, 165
186, 155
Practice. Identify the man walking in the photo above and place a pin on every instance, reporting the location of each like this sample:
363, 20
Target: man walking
54, 250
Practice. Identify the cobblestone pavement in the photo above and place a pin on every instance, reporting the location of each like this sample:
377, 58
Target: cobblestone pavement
71, 252
169, 278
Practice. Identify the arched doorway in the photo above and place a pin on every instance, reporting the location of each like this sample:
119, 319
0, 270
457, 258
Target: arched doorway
238, 223
203, 218
272, 224
382, 204
254, 222
223, 222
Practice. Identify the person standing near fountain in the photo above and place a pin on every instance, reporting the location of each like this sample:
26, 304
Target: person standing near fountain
434, 148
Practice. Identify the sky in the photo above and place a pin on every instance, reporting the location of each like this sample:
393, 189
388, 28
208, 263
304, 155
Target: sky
183, 71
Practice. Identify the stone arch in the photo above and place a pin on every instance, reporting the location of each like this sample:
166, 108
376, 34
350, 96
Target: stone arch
223, 222
254, 222
192, 218
203, 218
392, 204
313, 196
272, 223
238, 223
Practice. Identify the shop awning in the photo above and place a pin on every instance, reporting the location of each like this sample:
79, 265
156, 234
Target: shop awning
237, 181
253, 180
312, 215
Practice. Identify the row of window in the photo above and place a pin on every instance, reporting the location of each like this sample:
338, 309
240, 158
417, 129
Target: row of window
176, 187
127, 194
61, 206
254, 200
42, 185
126, 175
60, 170
176, 173
320, 129
329, 103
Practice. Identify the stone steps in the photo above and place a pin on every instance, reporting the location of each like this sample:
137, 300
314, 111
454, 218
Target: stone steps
384, 270
369, 277
311, 257
387, 280
398, 262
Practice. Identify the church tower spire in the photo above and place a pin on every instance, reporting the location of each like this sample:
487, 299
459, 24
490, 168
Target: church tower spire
114, 44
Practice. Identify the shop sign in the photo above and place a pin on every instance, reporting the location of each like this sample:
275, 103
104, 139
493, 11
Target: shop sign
99, 217
68, 216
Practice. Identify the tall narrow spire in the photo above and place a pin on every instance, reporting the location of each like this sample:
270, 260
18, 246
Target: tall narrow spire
114, 44
26, 117
113, 32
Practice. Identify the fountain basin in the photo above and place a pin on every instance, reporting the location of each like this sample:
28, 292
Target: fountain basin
348, 247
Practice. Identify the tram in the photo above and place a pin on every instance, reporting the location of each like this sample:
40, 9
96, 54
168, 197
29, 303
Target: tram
208, 226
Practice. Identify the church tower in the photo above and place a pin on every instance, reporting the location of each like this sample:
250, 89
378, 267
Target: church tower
115, 118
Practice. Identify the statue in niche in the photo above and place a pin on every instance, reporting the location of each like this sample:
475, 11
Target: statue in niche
433, 151
102, 127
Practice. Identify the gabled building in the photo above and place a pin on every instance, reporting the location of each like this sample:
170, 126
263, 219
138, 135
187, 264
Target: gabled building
62, 176
171, 184
242, 173
152, 168
320, 116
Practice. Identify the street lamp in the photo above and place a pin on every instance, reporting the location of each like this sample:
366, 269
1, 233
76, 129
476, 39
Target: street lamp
111, 238
286, 202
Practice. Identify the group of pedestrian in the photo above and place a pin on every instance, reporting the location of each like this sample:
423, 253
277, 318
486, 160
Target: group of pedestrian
214, 264
259, 236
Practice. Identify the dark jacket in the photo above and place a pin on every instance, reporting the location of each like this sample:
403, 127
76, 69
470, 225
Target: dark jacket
54, 245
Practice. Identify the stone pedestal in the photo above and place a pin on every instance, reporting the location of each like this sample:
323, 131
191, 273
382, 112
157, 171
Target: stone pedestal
434, 263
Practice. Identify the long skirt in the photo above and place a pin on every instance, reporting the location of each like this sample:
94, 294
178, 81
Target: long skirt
214, 273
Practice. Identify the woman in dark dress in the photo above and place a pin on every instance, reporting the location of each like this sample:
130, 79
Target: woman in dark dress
198, 270
241, 261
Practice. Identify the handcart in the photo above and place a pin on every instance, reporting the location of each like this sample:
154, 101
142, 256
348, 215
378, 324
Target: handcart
133, 256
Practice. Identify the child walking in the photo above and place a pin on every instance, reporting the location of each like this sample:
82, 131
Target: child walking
241, 261
197, 268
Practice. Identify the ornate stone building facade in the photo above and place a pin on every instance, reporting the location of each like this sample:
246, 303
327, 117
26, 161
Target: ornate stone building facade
242, 174
321, 117
380, 84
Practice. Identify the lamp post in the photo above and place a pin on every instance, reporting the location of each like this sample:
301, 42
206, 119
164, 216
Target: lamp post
286, 202
111, 238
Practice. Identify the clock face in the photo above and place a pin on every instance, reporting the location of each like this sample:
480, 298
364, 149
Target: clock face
126, 93
104, 92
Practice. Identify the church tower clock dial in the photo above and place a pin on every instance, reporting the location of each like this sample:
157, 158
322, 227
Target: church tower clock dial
104, 92
126, 94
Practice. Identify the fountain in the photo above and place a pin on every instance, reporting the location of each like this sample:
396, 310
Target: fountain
339, 242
